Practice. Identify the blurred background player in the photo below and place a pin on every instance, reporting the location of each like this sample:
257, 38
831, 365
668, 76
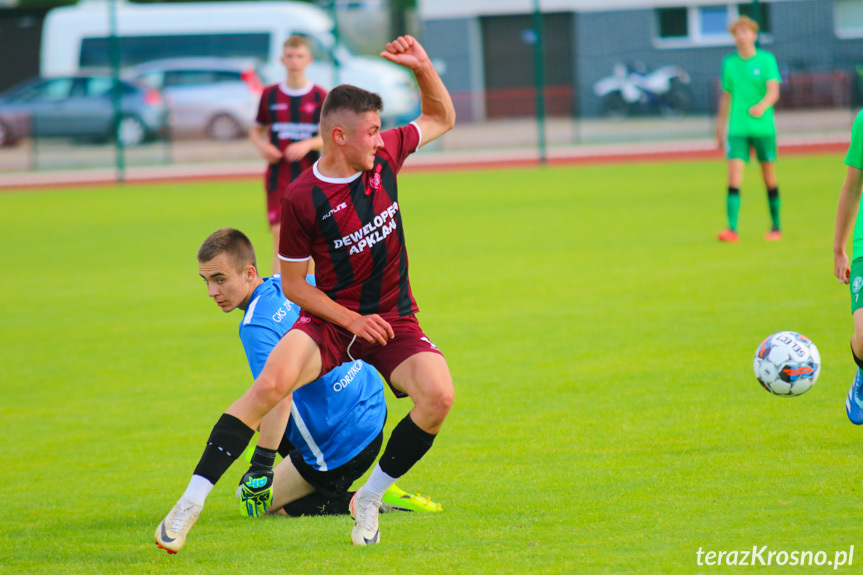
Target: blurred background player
848, 215
750, 88
330, 431
287, 130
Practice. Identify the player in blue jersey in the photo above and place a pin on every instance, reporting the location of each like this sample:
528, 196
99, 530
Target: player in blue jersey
356, 236
329, 432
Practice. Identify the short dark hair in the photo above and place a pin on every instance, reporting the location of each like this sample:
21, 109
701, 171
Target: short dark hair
351, 98
232, 242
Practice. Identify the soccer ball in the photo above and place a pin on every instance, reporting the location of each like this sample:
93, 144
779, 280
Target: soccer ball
787, 363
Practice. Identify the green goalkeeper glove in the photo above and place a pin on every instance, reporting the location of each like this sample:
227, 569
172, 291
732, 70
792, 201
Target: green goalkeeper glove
255, 490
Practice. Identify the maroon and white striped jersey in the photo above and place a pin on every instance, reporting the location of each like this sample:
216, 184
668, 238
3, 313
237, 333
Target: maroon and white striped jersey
352, 228
292, 115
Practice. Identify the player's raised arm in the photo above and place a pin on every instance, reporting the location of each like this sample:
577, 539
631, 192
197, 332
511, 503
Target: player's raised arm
437, 115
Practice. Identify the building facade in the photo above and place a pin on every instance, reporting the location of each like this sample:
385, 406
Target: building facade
487, 49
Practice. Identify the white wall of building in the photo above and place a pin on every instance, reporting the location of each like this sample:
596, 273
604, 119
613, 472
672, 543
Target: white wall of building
441, 9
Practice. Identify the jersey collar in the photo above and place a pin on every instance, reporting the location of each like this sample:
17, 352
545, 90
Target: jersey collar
301, 92
328, 180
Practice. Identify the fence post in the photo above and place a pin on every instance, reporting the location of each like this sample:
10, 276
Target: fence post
114, 49
539, 80
756, 15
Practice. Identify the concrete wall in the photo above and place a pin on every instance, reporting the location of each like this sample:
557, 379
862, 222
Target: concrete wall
803, 40
456, 49
605, 38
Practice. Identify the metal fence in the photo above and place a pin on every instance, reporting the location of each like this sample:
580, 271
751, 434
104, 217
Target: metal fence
607, 78
810, 105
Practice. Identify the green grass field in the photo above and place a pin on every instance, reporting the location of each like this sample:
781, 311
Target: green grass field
606, 420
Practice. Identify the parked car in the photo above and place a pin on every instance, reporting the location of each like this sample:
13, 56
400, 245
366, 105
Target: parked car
78, 37
81, 107
214, 96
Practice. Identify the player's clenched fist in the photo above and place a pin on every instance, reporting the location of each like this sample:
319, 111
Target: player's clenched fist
406, 51
372, 328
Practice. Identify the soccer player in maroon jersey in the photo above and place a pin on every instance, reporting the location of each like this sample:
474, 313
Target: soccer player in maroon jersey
287, 133
345, 215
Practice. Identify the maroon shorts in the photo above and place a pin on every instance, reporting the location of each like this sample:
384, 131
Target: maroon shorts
338, 345
274, 208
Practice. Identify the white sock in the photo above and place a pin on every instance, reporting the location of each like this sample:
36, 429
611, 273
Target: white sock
378, 483
198, 490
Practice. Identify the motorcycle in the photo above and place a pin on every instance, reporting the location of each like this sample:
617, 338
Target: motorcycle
632, 90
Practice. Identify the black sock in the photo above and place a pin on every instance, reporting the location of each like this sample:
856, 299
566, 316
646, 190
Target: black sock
407, 444
229, 438
857, 360
316, 504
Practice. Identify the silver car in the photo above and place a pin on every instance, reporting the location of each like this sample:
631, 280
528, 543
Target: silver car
211, 96
81, 107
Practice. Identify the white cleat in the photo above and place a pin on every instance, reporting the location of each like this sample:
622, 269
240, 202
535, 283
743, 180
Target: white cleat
364, 510
171, 532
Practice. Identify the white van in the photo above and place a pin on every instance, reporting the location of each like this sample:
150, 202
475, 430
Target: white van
76, 37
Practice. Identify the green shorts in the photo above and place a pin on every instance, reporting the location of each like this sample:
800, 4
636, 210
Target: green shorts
739, 146
856, 284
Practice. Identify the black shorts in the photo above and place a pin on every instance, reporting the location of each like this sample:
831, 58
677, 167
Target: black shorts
335, 482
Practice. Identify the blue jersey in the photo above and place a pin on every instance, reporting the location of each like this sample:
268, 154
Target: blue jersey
334, 417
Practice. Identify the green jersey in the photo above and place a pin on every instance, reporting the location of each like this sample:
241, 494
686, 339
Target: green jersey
746, 81
854, 158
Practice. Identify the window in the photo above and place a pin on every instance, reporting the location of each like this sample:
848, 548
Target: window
201, 77
761, 15
713, 21
848, 18
99, 87
672, 22
136, 49
154, 78
54, 90
706, 25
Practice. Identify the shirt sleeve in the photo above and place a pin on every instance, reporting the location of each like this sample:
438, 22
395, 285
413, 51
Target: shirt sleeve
399, 143
258, 341
726, 76
295, 236
263, 111
773, 70
854, 158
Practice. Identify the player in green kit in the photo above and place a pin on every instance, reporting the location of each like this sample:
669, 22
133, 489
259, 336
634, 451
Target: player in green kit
750, 88
847, 215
